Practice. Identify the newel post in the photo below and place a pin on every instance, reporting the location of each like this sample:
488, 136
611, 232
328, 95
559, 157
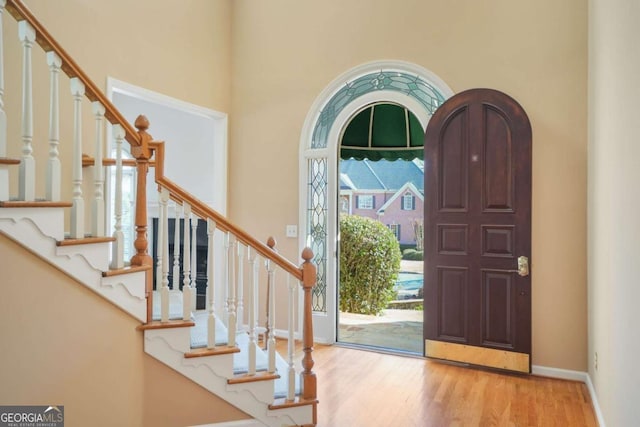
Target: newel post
309, 274
142, 153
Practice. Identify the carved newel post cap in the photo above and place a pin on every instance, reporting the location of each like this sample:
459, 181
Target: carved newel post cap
142, 123
307, 254
271, 242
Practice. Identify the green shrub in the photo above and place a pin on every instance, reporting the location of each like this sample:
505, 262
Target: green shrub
369, 265
412, 255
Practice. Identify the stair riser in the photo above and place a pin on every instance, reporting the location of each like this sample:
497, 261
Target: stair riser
49, 221
96, 254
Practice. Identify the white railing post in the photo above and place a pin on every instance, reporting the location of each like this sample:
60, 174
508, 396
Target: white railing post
163, 244
291, 389
231, 293
97, 217
27, 184
240, 287
77, 210
194, 261
187, 292
4, 171
253, 309
176, 251
211, 319
271, 340
117, 257
53, 166
158, 244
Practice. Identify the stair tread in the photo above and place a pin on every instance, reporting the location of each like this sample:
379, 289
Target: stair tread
203, 352
283, 403
126, 270
246, 378
84, 241
167, 325
34, 204
9, 161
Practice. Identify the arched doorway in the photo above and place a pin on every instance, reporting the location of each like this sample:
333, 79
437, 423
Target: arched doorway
402, 83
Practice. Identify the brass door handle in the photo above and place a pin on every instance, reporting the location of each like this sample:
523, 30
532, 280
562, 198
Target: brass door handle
523, 266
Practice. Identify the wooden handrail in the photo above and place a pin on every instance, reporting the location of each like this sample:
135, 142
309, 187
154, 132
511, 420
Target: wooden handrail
21, 12
90, 161
204, 211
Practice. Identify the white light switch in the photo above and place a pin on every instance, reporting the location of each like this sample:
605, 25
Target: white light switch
292, 231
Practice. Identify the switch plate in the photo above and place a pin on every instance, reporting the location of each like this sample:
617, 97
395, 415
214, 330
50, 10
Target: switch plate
292, 231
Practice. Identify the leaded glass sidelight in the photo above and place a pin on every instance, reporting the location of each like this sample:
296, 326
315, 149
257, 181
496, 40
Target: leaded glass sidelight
317, 208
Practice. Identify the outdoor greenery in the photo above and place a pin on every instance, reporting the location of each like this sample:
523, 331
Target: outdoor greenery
369, 265
412, 255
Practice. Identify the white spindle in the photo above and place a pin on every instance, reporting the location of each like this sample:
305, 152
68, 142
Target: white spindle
232, 322
163, 243
97, 216
194, 261
186, 265
253, 309
158, 244
117, 258
77, 210
176, 250
211, 319
27, 184
53, 166
4, 171
291, 389
240, 287
271, 339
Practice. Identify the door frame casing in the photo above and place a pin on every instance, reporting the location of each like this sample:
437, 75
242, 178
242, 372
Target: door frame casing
325, 323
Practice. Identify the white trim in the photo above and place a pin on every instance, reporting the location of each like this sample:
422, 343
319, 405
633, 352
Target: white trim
566, 374
239, 423
325, 328
409, 186
594, 402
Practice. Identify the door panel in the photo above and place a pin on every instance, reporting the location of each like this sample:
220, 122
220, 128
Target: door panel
477, 224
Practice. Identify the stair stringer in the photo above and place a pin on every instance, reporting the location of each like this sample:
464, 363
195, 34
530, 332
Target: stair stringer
38, 230
169, 346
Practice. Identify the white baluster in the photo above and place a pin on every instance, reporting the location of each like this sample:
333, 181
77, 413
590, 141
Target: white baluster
77, 210
291, 389
117, 257
176, 251
186, 265
271, 339
194, 261
27, 184
253, 309
211, 319
164, 253
53, 166
232, 325
240, 287
97, 216
4, 170
158, 244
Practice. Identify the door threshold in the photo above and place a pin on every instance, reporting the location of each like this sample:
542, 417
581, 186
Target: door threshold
381, 350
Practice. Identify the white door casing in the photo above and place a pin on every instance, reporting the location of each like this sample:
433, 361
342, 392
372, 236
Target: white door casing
407, 84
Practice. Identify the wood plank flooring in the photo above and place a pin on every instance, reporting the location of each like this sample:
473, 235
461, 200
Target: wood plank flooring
359, 388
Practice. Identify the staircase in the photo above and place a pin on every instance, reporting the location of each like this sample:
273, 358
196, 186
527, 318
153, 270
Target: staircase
222, 350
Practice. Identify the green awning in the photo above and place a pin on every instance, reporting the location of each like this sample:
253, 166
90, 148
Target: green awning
383, 131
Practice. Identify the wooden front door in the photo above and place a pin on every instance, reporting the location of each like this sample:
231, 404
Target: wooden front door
477, 288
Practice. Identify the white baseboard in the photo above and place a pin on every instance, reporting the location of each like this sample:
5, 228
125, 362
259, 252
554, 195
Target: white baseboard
581, 376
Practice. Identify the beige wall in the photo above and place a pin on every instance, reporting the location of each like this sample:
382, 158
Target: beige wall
63, 344
182, 52
614, 203
285, 52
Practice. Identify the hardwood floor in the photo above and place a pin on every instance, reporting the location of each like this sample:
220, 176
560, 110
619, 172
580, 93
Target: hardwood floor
359, 388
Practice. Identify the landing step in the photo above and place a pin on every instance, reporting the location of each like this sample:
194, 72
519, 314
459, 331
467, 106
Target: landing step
126, 270
9, 161
212, 351
84, 241
167, 325
34, 204
246, 378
